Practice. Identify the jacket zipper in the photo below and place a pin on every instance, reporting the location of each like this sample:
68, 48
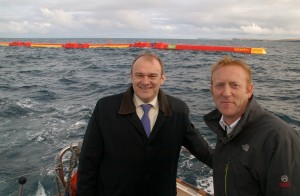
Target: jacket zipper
225, 180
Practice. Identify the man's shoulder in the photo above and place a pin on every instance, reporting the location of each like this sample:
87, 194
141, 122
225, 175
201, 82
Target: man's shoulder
174, 99
110, 98
176, 104
274, 125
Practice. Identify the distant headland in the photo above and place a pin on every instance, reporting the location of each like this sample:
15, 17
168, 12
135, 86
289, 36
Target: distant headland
277, 40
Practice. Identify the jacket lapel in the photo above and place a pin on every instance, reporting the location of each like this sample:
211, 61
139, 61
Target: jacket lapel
137, 124
157, 126
164, 112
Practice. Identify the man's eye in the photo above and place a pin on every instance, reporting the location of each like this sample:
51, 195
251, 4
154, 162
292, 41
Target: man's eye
219, 85
152, 76
235, 86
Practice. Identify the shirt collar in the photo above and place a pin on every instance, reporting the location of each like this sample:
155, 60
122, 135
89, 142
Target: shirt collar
229, 127
137, 101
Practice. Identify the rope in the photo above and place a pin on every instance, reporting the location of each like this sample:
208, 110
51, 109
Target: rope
63, 185
59, 183
72, 166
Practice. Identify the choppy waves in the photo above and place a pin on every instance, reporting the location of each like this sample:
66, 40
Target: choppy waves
47, 97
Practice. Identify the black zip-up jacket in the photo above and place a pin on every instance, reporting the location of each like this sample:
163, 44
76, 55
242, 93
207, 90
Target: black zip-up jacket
260, 157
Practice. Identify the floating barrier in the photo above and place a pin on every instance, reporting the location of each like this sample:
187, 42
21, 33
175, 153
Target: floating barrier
157, 45
17, 43
110, 45
209, 48
76, 45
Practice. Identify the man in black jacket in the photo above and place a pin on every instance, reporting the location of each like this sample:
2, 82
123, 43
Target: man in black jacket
256, 152
119, 158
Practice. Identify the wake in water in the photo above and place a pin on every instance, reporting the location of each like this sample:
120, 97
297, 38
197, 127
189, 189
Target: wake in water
206, 184
40, 191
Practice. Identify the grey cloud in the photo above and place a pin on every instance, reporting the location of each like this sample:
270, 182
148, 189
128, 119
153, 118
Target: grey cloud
151, 18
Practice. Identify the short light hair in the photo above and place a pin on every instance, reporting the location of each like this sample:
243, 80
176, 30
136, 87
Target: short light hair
227, 60
149, 57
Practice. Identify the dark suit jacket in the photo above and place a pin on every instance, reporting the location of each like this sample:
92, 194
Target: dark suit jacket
117, 158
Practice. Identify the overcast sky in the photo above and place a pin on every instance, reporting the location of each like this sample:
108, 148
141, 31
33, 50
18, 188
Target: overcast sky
183, 19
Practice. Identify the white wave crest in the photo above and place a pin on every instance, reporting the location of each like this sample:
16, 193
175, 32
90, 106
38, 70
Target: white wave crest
40, 191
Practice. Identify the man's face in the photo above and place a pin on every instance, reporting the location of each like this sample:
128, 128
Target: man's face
146, 78
231, 91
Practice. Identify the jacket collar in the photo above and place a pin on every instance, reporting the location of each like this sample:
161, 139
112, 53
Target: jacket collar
252, 112
127, 105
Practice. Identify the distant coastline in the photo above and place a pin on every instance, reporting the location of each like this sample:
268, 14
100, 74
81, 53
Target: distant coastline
150, 39
277, 40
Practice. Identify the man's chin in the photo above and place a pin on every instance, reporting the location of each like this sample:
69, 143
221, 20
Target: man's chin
145, 99
226, 112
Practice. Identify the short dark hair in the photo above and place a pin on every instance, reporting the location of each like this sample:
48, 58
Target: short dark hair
150, 57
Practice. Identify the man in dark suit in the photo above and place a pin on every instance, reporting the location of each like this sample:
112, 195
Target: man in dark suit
119, 158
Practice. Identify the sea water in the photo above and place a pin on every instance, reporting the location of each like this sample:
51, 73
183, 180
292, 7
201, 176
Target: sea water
47, 96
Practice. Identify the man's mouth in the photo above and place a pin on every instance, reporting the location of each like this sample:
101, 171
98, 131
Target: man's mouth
144, 88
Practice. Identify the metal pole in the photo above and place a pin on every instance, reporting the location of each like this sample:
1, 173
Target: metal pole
22, 180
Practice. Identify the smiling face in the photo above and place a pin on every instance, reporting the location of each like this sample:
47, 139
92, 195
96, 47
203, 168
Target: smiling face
147, 76
231, 91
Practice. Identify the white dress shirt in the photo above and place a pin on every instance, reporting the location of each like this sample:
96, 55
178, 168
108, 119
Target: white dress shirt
153, 112
228, 128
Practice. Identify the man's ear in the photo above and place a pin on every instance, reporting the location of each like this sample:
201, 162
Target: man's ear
163, 78
250, 90
211, 89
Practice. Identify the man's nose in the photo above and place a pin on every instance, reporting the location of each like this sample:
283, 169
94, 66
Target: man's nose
227, 90
145, 80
